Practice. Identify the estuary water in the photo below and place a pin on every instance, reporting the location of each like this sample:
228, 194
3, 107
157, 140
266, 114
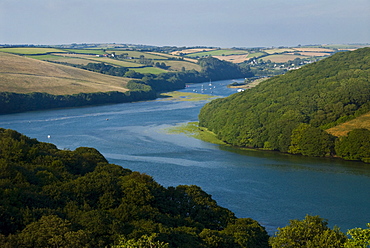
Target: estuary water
269, 187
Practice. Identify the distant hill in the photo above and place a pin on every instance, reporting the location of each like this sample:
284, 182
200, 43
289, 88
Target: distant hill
20, 74
291, 112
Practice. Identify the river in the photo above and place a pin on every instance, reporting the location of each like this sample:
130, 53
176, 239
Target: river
269, 187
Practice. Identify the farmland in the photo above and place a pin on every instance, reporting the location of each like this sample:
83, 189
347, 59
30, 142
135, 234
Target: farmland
218, 52
142, 62
30, 50
262, 61
282, 58
278, 50
25, 75
193, 50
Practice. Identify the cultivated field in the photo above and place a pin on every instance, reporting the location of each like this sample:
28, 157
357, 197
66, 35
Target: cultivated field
282, 58
313, 49
278, 50
24, 75
61, 59
131, 59
219, 52
234, 58
315, 54
362, 121
152, 70
31, 50
177, 65
194, 50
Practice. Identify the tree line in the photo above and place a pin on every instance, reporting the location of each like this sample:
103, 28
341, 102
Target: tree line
291, 112
212, 69
62, 198
15, 102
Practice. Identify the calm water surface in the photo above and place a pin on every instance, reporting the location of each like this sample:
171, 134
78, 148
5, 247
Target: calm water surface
266, 186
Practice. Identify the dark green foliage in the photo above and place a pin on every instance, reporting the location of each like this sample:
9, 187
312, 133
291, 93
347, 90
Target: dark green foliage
311, 232
105, 69
216, 69
13, 102
355, 146
320, 95
311, 141
61, 198
247, 233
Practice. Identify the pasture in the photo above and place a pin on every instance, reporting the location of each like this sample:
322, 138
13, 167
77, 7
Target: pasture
315, 54
192, 50
31, 50
86, 51
256, 54
136, 54
233, 58
313, 49
278, 50
220, 52
153, 70
177, 65
25, 75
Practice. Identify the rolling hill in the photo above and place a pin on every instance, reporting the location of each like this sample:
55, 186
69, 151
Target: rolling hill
20, 74
291, 112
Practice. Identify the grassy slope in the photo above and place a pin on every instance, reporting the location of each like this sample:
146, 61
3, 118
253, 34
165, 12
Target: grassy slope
362, 121
24, 75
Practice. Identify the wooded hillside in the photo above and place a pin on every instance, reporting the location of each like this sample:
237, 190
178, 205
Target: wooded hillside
291, 112
62, 198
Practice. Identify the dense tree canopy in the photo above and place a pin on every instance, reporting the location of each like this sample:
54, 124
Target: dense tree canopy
312, 231
319, 95
61, 198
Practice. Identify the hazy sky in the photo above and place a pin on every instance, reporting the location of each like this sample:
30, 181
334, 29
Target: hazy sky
221, 23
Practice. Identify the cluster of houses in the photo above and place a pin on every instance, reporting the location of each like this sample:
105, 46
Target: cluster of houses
108, 55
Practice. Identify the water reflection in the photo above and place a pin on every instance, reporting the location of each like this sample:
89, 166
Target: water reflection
269, 187
284, 161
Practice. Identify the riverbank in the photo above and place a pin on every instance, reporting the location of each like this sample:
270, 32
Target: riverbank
248, 85
269, 187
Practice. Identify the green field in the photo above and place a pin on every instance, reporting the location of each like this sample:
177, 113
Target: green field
85, 56
177, 65
185, 96
31, 50
136, 54
86, 51
45, 57
278, 50
217, 53
256, 55
153, 70
117, 62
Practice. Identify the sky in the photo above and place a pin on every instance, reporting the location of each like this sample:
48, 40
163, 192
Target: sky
216, 23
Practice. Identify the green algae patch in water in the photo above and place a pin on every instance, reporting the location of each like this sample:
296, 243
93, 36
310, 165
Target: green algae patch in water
184, 96
192, 129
